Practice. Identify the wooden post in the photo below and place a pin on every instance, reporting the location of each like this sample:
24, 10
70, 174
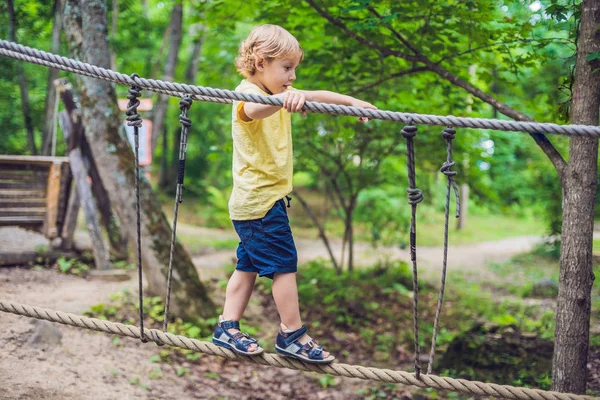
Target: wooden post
84, 190
52, 195
117, 241
73, 207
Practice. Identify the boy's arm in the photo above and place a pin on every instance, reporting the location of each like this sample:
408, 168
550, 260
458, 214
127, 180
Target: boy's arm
252, 111
325, 96
293, 101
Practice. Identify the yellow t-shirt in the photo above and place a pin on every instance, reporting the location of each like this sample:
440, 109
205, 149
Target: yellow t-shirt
262, 160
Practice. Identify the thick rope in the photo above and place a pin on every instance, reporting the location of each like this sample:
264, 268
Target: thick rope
415, 196
184, 106
134, 119
35, 56
448, 135
337, 369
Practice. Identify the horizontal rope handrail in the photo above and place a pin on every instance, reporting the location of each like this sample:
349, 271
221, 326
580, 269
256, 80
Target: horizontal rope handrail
24, 53
337, 369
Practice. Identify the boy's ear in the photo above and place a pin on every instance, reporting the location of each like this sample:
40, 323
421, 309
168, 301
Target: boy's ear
259, 63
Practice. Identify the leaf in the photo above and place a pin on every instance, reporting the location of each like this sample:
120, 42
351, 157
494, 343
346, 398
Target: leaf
593, 56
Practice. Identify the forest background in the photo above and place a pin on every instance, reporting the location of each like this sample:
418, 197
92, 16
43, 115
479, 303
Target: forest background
520, 53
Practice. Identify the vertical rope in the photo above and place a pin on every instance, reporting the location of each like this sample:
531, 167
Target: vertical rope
448, 134
415, 196
184, 106
134, 119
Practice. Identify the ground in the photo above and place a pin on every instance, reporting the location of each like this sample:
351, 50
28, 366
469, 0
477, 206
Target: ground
88, 365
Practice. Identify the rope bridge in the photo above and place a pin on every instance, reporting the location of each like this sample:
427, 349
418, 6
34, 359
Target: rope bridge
200, 93
337, 369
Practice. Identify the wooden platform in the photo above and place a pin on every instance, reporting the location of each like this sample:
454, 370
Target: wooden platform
34, 192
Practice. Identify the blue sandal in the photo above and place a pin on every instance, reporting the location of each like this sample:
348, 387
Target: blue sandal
288, 344
238, 342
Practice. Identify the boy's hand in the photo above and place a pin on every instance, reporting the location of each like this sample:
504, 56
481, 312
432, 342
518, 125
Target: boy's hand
363, 104
293, 101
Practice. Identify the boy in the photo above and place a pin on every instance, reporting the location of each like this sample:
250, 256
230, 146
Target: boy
262, 178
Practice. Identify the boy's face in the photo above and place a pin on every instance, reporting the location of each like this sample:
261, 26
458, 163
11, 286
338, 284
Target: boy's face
279, 74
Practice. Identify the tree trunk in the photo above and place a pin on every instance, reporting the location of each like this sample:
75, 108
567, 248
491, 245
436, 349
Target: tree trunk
569, 371
49, 108
165, 165
12, 28
86, 28
113, 32
160, 108
196, 51
168, 167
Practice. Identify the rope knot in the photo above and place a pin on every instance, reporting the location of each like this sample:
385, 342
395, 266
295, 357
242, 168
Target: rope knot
449, 133
184, 105
447, 169
133, 118
415, 196
409, 131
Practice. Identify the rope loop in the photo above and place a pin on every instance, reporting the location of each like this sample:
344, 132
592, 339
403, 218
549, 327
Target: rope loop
449, 133
415, 196
184, 105
409, 131
446, 169
133, 118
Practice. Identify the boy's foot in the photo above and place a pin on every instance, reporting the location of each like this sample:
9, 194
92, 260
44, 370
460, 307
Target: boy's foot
300, 345
227, 334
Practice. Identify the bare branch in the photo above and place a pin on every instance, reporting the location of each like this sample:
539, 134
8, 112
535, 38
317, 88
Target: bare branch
321, 230
396, 33
387, 78
540, 139
385, 50
487, 46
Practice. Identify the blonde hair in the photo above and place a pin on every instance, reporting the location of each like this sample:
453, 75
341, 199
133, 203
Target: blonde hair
269, 42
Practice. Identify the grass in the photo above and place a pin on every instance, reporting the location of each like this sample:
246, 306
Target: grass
430, 229
197, 244
430, 226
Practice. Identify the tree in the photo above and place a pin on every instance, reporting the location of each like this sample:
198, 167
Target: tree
86, 30
579, 185
442, 40
50, 104
578, 177
12, 36
160, 108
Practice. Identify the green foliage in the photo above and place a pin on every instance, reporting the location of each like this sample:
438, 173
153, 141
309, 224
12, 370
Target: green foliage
71, 266
520, 54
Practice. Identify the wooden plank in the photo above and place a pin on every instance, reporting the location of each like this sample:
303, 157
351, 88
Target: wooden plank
23, 211
70, 223
101, 255
16, 174
20, 202
23, 167
31, 160
63, 199
25, 257
22, 185
21, 221
24, 194
52, 194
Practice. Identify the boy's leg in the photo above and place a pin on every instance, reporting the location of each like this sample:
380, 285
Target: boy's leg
285, 293
237, 295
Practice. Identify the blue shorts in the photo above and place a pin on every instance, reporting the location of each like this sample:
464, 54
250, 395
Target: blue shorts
266, 244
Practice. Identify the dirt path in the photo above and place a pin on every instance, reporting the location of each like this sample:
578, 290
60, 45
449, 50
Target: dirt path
88, 365
467, 257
